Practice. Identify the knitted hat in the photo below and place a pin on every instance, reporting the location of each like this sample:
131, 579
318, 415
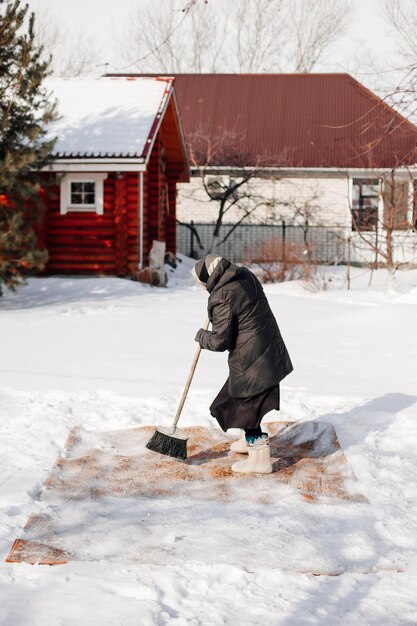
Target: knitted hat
205, 267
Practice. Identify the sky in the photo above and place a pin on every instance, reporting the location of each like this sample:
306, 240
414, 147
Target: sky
104, 20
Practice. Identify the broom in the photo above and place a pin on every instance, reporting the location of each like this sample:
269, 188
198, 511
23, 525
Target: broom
171, 441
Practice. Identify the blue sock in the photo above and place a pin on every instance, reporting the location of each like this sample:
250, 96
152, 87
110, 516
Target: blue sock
251, 434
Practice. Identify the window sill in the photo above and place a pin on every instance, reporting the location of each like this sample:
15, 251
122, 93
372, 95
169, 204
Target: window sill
82, 207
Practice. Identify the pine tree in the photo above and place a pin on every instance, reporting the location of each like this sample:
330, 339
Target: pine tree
25, 111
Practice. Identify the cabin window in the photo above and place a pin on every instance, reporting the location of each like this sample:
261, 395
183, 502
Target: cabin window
365, 199
82, 193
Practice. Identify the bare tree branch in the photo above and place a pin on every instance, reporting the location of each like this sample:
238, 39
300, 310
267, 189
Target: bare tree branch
259, 29
402, 17
158, 37
73, 52
242, 219
314, 26
194, 230
238, 36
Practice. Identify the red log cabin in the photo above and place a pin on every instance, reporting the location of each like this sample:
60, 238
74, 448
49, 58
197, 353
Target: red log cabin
119, 154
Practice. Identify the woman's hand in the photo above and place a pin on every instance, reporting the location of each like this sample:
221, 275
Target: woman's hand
199, 334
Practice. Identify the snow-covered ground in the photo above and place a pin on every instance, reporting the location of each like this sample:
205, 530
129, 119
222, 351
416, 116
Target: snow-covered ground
107, 354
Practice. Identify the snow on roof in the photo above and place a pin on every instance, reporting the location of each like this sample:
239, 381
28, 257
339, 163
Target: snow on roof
106, 117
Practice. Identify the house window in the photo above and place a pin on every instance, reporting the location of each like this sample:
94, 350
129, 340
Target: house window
82, 192
396, 203
215, 188
365, 196
415, 204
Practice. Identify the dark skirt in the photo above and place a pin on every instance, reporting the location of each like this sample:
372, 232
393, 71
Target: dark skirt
243, 412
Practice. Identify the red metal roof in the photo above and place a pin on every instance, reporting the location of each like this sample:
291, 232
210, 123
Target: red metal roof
292, 120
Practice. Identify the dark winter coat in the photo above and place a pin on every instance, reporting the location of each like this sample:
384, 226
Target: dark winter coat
243, 323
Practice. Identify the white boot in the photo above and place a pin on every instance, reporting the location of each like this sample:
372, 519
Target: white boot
240, 445
259, 460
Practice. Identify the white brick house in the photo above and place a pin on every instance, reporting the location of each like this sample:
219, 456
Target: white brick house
321, 147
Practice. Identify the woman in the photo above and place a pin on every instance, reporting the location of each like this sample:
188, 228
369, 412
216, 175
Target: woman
243, 323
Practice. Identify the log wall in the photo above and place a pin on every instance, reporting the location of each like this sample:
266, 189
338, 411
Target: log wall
160, 191
84, 242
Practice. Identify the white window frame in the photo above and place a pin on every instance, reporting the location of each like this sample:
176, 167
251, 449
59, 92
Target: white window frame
85, 177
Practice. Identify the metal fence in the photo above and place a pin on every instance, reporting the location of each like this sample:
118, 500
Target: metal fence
263, 243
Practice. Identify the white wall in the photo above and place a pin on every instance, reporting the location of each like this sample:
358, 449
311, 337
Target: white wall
325, 199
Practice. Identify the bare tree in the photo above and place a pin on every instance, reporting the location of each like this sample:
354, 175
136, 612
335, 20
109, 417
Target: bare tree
402, 17
237, 36
258, 34
73, 53
391, 74
158, 38
280, 256
234, 190
79, 55
302, 211
313, 27
384, 219
47, 30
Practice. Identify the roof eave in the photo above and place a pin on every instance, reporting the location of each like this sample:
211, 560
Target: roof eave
187, 169
153, 133
284, 170
96, 164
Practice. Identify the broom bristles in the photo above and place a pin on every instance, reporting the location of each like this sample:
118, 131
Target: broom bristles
168, 444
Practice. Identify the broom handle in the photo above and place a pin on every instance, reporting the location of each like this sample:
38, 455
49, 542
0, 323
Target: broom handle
189, 379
